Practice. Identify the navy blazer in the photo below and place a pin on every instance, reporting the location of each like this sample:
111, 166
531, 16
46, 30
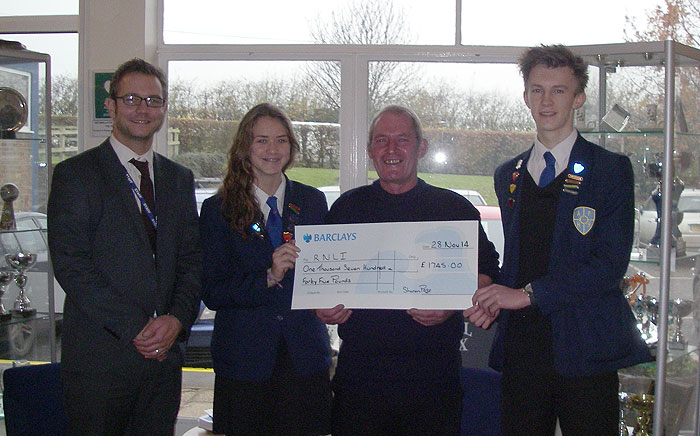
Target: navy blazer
103, 259
250, 317
593, 327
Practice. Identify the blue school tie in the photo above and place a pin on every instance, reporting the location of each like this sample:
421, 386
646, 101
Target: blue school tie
548, 173
274, 223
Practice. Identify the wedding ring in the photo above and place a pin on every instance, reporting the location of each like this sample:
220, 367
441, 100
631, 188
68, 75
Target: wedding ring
157, 351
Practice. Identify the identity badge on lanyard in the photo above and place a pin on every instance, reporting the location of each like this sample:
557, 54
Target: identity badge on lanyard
144, 206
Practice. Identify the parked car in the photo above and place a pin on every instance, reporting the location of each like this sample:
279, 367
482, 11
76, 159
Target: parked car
688, 205
331, 192
474, 197
491, 222
202, 194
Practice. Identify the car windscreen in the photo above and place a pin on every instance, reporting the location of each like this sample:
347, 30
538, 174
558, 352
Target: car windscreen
689, 204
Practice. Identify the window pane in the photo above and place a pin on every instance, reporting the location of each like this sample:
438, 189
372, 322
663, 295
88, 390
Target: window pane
13, 8
544, 22
208, 98
309, 21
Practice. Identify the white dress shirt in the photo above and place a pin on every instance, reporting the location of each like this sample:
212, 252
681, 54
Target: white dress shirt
262, 196
125, 154
561, 152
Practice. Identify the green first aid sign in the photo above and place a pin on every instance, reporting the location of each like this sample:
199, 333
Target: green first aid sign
101, 93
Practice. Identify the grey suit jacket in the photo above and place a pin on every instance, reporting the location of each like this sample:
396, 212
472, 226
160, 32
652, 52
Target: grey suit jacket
102, 258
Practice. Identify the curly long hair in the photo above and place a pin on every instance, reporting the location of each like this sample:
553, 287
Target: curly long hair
239, 205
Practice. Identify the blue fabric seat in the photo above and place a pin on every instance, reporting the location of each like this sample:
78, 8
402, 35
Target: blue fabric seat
33, 401
481, 404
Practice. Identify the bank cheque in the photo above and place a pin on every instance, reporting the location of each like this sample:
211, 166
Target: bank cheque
404, 265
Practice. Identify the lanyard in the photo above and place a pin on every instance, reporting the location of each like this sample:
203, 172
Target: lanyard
153, 219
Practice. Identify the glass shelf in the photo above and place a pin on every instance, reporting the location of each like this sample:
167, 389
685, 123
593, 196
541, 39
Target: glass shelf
634, 132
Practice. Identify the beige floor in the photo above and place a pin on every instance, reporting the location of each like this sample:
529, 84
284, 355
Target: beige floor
197, 392
197, 396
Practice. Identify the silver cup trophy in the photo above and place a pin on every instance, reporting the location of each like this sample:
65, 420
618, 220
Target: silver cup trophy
5, 279
624, 404
679, 309
646, 310
21, 262
8, 193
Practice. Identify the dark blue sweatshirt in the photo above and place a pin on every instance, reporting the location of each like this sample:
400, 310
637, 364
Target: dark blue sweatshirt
386, 350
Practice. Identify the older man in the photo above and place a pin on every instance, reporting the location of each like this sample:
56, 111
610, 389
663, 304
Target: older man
124, 241
398, 371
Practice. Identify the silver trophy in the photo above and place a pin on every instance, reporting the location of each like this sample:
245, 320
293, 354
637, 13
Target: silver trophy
646, 310
8, 193
679, 309
624, 404
21, 262
5, 279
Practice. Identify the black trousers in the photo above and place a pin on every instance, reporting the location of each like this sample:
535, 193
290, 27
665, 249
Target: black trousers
136, 402
534, 395
285, 405
396, 412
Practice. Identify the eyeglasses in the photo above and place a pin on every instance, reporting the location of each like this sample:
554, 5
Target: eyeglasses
135, 100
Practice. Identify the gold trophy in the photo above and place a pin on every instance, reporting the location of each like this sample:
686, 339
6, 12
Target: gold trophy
644, 404
9, 193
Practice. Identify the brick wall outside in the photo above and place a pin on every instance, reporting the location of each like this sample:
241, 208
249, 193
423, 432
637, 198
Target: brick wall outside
15, 167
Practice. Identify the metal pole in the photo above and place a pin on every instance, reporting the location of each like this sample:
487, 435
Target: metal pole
458, 23
602, 99
697, 403
667, 194
49, 171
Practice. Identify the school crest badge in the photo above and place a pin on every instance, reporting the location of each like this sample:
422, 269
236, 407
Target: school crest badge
584, 218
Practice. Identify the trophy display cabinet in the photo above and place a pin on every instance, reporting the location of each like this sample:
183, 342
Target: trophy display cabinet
29, 316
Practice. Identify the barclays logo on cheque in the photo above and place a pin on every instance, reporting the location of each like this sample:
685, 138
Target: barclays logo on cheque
329, 237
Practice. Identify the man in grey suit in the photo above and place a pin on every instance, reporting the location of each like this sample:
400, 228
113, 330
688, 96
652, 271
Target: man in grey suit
125, 248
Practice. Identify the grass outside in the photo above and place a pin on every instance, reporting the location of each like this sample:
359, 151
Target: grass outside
326, 177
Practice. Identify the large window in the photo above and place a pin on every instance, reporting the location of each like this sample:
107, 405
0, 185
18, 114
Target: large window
10, 8
399, 51
309, 22
544, 21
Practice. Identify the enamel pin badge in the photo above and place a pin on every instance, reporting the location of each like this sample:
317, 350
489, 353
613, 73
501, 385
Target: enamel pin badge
573, 180
584, 218
513, 186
